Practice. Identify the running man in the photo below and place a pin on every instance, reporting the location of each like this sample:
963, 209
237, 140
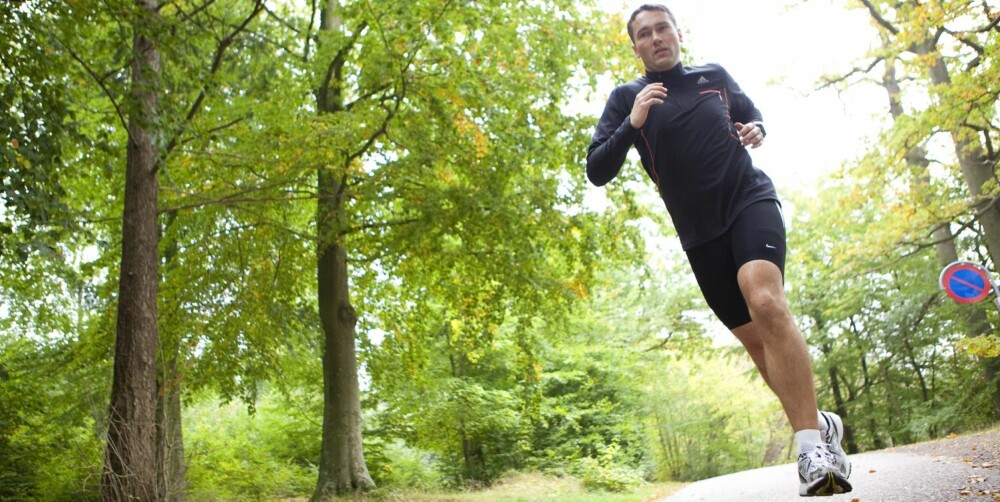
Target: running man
691, 127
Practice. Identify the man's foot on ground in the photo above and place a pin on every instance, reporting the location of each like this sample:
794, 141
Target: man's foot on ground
831, 436
818, 474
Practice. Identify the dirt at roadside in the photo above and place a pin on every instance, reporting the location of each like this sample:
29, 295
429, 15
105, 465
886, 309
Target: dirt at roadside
981, 451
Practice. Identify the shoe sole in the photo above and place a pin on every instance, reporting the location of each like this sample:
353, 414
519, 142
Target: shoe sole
831, 484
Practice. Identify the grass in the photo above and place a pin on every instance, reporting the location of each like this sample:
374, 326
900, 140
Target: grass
531, 487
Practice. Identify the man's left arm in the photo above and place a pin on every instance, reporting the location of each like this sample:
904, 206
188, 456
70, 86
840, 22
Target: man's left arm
746, 117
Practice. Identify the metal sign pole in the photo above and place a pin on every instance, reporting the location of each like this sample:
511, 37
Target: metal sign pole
996, 294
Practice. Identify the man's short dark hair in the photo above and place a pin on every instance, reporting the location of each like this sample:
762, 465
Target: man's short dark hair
645, 7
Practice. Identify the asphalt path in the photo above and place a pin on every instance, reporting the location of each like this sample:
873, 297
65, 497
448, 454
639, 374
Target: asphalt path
896, 475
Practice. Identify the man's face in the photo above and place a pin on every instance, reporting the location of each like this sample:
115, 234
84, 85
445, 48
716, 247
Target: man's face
657, 40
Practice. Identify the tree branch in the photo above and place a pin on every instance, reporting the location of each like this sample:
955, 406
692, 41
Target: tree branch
187, 16
829, 82
216, 129
100, 83
308, 35
382, 224
663, 343
968, 225
282, 21
994, 24
399, 96
878, 17
216, 64
378, 132
232, 202
965, 40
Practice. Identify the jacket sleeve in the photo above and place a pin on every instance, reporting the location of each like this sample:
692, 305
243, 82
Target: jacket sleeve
611, 141
742, 108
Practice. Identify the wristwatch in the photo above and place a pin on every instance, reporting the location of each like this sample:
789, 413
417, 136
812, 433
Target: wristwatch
760, 125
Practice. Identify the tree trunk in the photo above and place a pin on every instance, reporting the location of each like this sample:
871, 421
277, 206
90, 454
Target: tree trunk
475, 458
130, 455
840, 407
472, 451
873, 428
342, 465
170, 467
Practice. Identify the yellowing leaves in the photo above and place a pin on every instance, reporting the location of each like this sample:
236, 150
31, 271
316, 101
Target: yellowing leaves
468, 129
535, 374
984, 346
579, 288
446, 174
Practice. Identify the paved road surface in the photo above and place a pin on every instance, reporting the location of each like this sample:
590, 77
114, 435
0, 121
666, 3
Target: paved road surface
886, 476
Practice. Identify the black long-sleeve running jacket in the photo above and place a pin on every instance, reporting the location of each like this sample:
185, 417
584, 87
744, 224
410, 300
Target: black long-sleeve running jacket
688, 146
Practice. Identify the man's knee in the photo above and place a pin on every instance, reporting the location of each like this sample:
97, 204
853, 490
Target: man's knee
767, 307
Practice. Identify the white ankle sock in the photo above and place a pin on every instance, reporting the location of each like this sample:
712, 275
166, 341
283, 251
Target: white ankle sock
807, 439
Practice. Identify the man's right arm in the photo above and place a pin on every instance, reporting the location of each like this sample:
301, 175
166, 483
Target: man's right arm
611, 141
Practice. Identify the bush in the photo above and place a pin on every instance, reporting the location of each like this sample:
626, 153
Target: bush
399, 466
607, 473
228, 458
50, 440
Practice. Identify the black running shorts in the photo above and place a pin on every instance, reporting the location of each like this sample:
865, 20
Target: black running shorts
757, 234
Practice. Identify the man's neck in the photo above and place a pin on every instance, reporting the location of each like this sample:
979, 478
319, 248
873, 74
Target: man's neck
659, 75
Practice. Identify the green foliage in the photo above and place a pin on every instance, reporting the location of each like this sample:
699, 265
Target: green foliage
589, 407
607, 473
398, 467
707, 419
870, 249
233, 455
884, 335
50, 445
36, 126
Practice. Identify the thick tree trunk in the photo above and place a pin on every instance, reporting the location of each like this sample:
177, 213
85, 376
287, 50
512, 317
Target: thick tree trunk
472, 450
130, 455
342, 465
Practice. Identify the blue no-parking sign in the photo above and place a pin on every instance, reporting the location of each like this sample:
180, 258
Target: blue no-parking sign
966, 282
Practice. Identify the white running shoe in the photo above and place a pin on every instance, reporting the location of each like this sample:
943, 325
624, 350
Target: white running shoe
831, 436
818, 474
